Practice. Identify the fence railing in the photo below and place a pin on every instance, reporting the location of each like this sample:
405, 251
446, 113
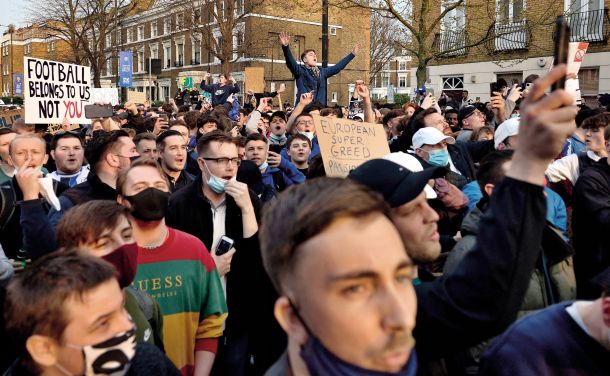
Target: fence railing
511, 36
450, 42
591, 26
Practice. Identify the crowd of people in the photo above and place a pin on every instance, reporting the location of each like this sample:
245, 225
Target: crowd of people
202, 237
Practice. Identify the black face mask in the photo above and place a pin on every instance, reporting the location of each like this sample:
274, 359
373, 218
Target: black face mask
149, 205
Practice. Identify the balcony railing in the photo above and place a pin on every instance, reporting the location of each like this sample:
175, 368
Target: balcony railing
450, 42
511, 36
591, 26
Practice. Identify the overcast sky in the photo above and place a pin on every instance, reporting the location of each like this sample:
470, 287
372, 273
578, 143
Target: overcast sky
12, 11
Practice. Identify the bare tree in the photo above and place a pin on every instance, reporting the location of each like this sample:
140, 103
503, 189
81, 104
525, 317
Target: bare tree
83, 25
383, 42
219, 26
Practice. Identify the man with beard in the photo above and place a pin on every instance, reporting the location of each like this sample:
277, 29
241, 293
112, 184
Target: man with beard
172, 148
68, 151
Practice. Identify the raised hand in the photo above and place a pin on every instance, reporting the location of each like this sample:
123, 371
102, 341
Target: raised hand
515, 93
285, 38
362, 90
306, 98
356, 48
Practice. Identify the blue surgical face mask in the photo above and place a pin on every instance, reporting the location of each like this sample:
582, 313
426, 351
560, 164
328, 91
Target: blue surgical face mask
263, 166
215, 183
438, 157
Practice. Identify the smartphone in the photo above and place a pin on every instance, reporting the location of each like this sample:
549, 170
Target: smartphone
562, 43
429, 90
493, 87
224, 245
276, 148
94, 111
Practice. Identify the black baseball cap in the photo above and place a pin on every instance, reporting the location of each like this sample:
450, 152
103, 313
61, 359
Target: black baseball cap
464, 113
280, 114
397, 184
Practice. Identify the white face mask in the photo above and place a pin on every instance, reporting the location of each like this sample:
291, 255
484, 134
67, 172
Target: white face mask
111, 357
309, 135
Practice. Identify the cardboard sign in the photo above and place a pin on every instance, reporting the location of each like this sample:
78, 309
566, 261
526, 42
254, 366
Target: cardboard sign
54, 91
136, 96
8, 118
255, 79
346, 144
104, 95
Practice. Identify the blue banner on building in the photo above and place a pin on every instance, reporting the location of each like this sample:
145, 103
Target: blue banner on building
18, 84
126, 68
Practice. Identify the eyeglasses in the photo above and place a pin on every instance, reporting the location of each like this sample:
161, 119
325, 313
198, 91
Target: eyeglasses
476, 112
223, 161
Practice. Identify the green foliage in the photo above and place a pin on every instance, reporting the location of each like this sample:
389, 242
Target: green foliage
15, 100
400, 99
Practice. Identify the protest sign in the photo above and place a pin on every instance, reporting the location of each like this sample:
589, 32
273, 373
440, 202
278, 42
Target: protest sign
54, 90
346, 144
136, 96
104, 95
255, 79
7, 118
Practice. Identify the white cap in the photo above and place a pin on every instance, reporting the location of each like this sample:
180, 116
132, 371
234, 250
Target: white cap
430, 136
412, 164
508, 128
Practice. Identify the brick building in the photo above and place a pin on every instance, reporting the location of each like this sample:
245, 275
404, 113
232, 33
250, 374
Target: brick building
520, 44
161, 32
32, 41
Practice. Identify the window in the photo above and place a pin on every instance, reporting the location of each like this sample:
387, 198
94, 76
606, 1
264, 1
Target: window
511, 27
402, 65
108, 40
129, 35
221, 11
334, 97
153, 29
108, 64
586, 19
165, 92
509, 11
453, 83
51, 46
141, 67
385, 80
140, 32
167, 27
27, 49
588, 78
402, 81
180, 21
196, 16
154, 52
180, 54
239, 7
167, 55
196, 53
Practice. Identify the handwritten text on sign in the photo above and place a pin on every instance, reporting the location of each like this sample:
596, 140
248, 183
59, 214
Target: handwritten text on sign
55, 90
346, 144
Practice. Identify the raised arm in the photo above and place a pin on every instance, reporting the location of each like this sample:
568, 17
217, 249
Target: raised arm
363, 91
484, 294
291, 63
306, 99
331, 71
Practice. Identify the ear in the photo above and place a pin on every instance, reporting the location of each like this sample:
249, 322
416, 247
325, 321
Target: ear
112, 160
46, 158
501, 146
200, 130
52, 154
43, 350
489, 189
288, 320
420, 153
10, 161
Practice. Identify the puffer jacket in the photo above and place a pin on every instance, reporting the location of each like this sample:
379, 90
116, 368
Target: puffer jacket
557, 257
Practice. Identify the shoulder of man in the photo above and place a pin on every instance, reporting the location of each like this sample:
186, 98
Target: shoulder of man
149, 360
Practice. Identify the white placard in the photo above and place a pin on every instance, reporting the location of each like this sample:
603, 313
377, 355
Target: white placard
104, 95
54, 91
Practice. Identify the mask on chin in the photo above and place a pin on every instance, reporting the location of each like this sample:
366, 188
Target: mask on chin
309, 135
125, 261
215, 183
322, 362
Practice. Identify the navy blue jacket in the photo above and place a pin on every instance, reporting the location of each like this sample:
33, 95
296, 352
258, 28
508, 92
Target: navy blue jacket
219, 93
305, 79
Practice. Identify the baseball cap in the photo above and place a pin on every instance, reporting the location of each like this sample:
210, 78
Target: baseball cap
397, 184
430, 136
508, 128
280, 114
465, 112
412, 164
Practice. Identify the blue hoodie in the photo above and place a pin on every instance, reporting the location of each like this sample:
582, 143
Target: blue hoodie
290, 174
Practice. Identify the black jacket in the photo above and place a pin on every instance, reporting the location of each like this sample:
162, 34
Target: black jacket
483, 296
92, 189
11, 234
590, 225
183, 180
250, 294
